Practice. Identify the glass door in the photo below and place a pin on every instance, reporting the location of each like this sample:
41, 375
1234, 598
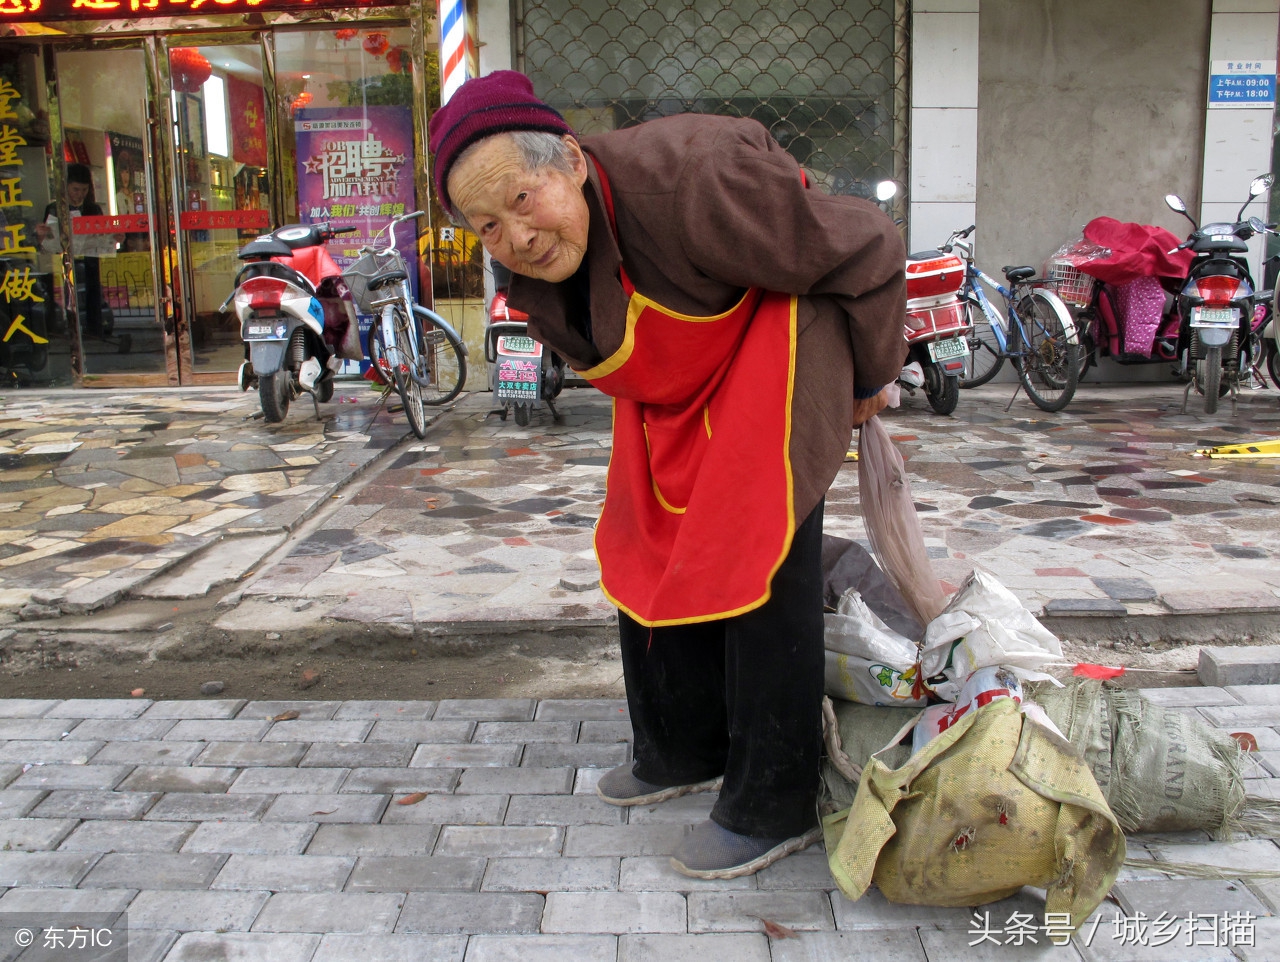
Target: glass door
219, 108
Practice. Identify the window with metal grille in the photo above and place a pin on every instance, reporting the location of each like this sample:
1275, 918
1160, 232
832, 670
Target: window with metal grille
828, 78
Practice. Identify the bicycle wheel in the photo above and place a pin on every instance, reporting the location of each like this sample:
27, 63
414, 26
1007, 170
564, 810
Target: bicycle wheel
1273, 362
442, 368
403, 357
1048, 366
984, 360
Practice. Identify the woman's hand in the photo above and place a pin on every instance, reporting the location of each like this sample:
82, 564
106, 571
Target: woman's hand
864, 409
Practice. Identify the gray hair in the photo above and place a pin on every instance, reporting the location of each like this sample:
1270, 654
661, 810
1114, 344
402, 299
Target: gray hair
538, 150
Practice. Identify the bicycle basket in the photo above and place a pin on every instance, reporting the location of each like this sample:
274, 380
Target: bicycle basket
1072, 285
365, 273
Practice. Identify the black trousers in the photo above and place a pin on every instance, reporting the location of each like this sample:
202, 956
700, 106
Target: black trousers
740, 697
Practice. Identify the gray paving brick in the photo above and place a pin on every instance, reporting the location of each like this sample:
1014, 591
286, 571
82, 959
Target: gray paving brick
288, 781
154, 870
197, 807
551, 874
362, 755
308, 710
99, 708
285, 873
581, 840
243, 947
55, 869
1240, 665
742, 947
803, 870
1266, 936
148, 753
1102, 938
150, 946
192, 911
251, 838
128, 837
66, 900
449, 810
516, 781
487, 709
542, 948
614, 912
685, 810
49, 753
580, 709
585, 782
171, 778
1185, 897
1237, 717
419, 732
1268, 695
348, 912
219, 730
873, 946
374, 840
385, 710
742, 911
454, 755
605, 732
409, 873
449, 913
400, 781
318, 731
72, 777
559, 732
33, 729
874, 911
34, 834
15, 803
253, 754
575, 756
561, 810
391, 948
193, 708
94, 805
1192, 697
326, 808
8, 773
25, 707
123, 729
499, 841
653, 873
1255, 854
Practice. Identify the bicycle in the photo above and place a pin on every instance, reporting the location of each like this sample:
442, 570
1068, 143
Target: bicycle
1036, 334
414, 350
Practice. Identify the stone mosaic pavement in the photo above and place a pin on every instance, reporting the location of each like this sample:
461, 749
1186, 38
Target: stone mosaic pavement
469, 831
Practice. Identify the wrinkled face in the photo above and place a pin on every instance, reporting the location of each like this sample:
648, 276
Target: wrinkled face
533, 222
76, 193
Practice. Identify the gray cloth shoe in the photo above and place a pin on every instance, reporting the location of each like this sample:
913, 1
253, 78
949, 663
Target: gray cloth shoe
621, 787
712, 851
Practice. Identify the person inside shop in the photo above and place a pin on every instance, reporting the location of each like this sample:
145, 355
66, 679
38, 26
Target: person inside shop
744, 325
80, 202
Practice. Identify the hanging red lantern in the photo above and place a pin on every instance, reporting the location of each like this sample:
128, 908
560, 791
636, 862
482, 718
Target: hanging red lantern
376, 43
346, 33
398, 60
189, 68
301, 100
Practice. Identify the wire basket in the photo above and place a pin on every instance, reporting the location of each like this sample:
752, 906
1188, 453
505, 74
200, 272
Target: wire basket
365, 273
1073, 285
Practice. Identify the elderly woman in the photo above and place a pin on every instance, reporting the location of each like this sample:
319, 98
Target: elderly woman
744, 325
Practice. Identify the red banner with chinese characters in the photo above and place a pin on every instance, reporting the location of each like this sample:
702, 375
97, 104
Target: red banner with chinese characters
47, 11
123, 224
221, 219
248, 122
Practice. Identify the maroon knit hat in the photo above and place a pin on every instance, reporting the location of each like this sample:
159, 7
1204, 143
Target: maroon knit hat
495, 103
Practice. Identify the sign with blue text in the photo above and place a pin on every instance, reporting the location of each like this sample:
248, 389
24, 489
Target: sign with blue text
1242, 83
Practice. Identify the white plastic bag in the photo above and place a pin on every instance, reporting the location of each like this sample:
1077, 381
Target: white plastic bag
866, 660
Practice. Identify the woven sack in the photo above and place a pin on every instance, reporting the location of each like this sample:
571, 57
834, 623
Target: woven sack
991, 804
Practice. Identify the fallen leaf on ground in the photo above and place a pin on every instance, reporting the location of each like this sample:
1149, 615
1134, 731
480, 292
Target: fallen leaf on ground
1246, 741
776, 931
330, 812
289, 715
138, 692
413, 799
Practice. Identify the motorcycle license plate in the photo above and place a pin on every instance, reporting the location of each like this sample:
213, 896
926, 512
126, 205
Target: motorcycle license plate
1214, 316
945, 350
517, 344
264, 330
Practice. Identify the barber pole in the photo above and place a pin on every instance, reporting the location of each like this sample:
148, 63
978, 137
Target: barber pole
457, 48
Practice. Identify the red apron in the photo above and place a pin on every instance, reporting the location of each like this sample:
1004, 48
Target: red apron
698, 513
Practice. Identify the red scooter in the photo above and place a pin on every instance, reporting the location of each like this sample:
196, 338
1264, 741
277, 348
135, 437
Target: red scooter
936, 328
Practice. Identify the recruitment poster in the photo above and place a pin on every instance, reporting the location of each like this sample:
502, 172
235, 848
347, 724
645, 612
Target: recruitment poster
355, 169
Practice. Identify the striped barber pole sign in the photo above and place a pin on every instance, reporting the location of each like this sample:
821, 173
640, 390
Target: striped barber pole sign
457, 47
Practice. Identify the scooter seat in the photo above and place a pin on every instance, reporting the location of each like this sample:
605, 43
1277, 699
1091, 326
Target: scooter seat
264, 247
1015, 274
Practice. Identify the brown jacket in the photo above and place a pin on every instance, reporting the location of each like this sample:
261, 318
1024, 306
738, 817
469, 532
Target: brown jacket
707, 206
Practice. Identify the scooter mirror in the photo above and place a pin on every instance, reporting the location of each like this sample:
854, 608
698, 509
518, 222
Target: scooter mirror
1175, 203
886, 190
1261, 184
1257, 226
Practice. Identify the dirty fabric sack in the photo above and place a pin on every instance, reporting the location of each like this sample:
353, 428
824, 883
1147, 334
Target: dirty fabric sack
1160, 769
852, 733
993, 803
